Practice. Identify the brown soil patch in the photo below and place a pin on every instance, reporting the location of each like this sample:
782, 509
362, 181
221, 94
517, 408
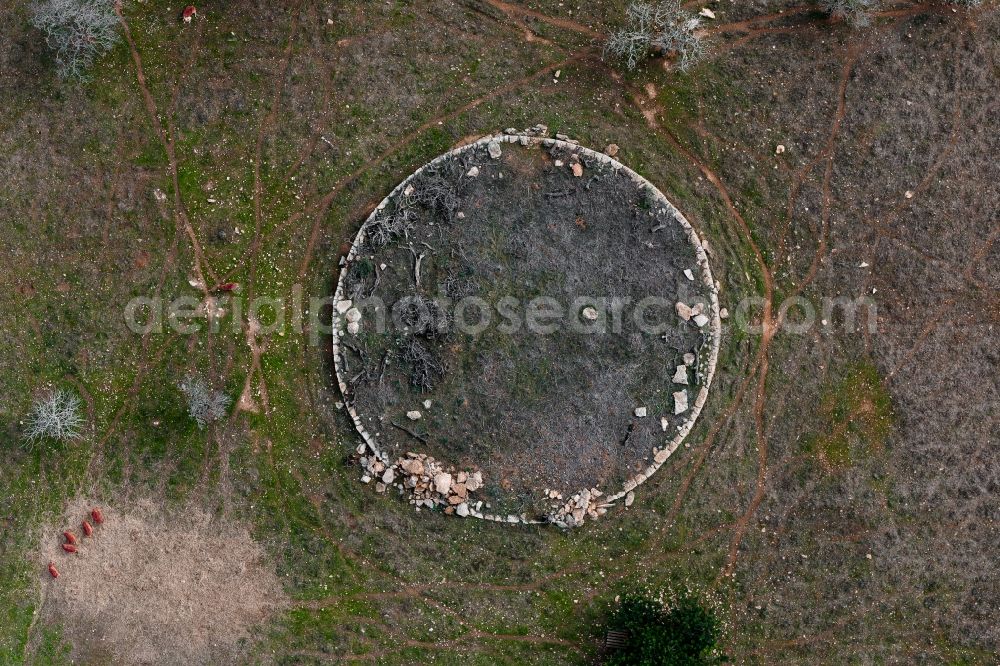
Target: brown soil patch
150, 588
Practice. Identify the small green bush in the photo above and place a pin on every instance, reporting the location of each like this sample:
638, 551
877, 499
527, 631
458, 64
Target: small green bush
681, 634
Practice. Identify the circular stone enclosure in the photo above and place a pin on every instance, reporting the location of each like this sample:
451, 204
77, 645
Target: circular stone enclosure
531, 310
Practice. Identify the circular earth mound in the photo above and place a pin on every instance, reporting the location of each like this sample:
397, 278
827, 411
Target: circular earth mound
530, 309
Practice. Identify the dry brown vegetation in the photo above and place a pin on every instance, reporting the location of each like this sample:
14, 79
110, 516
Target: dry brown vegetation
151, 588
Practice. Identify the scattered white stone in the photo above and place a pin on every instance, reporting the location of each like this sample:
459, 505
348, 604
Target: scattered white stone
339, 405
462, 510
780, 148
680, 402
640, 412
577, 169
427, 404
688, 274
611, 150
353, 327
723, 313
389, 476
664, 423
353, 314
473, 172
629, 499
700, 320
413, 415
366, 479
689, 358
681, 375
590, 313
558, 163
493, 147
707, 13
382, 267
683, 311
474, 482
408, 190
909, 194
863, 264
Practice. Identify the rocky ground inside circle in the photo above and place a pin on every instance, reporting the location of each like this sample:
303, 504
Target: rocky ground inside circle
585, 397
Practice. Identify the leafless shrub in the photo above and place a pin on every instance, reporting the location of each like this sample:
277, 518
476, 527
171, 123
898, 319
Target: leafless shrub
56, 416
663, 27
438, 191
456, 286
424, 316
387, 227
78, 31
425, 369
855, 12
682, 41
204, 403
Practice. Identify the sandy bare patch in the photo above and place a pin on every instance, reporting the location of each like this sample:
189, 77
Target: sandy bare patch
154, 588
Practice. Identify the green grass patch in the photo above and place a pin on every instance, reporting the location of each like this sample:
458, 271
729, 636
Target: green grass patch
857, 418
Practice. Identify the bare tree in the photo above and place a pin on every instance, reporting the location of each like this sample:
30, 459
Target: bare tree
77, 31
56, 416
664, 27
204, 403
855, 12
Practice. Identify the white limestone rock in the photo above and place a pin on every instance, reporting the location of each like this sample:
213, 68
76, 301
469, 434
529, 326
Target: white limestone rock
680, 402
442, 483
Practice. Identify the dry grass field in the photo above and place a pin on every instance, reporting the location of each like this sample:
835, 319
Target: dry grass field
837, 500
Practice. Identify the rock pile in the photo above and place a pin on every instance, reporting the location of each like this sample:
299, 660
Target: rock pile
584, 504
427, 481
